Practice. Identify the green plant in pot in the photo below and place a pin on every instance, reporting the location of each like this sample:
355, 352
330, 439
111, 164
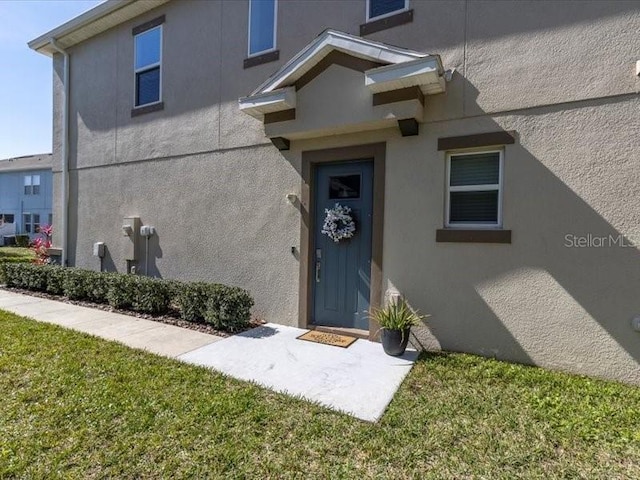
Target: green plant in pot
395, 320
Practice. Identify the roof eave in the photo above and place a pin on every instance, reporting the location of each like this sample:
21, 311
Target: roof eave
335, 40
83, 22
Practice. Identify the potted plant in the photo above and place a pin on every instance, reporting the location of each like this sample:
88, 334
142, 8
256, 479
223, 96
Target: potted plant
395, 320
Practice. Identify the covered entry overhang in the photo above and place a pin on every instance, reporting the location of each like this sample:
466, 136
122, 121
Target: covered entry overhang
342, 83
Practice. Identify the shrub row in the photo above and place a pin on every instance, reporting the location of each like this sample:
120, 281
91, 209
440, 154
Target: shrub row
226, 308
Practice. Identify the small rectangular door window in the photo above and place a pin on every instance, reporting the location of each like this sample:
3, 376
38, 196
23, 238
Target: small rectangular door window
344, 187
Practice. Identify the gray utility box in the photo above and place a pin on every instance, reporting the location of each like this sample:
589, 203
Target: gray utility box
131, 237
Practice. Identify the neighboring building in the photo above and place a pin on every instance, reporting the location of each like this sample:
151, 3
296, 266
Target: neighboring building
484, 147
25, 195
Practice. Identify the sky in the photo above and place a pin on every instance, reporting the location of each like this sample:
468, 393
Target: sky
25, 76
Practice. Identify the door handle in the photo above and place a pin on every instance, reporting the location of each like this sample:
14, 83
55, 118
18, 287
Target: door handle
317, 272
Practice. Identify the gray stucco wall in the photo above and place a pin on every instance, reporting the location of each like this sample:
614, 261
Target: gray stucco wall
559, 73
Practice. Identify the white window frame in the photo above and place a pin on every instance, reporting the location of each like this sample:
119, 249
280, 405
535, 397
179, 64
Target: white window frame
28, 182
33, 223
27, 216
395, 12
151, 66
275, 32
34, 184
474, 188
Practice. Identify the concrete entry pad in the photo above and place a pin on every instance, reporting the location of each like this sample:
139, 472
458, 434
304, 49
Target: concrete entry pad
360, 380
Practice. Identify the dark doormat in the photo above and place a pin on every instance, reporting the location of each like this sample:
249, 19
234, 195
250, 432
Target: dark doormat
327, 338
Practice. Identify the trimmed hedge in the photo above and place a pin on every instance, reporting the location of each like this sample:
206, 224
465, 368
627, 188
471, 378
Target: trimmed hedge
192, 299
226, 308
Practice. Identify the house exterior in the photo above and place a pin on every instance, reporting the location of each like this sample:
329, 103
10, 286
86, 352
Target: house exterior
26, 195
488, 152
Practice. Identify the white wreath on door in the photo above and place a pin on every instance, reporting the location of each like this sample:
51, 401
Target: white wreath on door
338, 223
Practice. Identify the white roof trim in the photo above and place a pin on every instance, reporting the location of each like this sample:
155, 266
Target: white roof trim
258, 105
93, 22
334, 40
424, 72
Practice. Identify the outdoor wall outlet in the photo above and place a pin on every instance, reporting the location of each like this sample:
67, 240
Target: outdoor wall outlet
638, 68
635, 323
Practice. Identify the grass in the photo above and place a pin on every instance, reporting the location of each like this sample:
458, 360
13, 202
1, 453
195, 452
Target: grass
16, 255
74, 406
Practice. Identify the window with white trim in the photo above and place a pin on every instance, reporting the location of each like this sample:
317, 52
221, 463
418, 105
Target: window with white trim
262, 26
474, 189
32, 184
383, 8
27, 185
26, 223
30, 222
148, 66
35, 184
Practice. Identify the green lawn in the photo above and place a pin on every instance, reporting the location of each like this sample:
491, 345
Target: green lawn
16, 255
78, 407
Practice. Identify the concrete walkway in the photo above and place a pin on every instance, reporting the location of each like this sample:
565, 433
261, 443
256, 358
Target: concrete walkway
155, 337
360, 380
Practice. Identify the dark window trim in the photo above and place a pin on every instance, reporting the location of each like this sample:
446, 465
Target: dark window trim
458, 235
148, 25
281, 116
374, 26
154, 107
263, 58
400, 95
335, 58
479, 140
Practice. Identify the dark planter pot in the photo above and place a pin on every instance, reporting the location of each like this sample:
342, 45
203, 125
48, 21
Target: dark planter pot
394, 342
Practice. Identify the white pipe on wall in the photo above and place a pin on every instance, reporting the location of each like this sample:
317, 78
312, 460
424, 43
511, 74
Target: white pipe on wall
64, 151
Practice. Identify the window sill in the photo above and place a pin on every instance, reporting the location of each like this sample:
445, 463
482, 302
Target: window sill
374, 26
154, 107
454, 235
263, 58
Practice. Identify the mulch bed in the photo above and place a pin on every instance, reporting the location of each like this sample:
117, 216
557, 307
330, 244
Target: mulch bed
170, 318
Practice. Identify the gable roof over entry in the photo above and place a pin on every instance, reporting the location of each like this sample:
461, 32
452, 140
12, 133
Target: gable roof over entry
385, 67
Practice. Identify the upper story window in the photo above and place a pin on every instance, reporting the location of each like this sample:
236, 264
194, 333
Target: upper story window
32, 184
262, 26
383, 8
148, 66
474, 189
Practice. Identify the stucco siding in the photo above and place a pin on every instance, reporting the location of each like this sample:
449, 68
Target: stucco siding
536, 300
559, 74
507, 55
220, 217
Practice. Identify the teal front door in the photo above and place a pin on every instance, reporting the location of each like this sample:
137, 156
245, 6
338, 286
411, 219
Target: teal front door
342, 269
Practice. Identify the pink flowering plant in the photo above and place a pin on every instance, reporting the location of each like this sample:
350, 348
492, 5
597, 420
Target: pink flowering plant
42, 244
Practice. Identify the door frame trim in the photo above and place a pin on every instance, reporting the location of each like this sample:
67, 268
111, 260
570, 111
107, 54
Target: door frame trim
310, 159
